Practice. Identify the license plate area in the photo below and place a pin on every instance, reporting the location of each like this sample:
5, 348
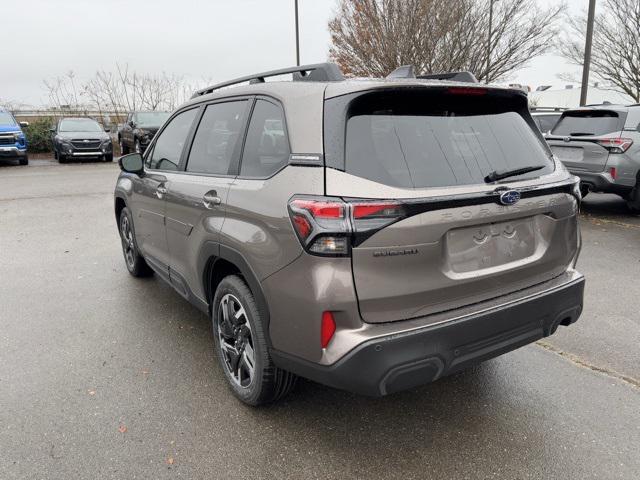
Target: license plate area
481, 249
571, 154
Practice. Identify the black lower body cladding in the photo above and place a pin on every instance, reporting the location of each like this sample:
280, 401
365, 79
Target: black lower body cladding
398, 362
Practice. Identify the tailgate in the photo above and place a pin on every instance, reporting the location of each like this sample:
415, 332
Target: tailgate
580, 155
445, 259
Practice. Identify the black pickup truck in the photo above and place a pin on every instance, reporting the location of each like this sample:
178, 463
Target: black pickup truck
139, 129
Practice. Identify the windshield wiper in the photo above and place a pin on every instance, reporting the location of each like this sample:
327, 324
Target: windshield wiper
500, 174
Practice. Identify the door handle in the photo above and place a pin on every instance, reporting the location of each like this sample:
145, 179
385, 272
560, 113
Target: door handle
161, 191
211, 199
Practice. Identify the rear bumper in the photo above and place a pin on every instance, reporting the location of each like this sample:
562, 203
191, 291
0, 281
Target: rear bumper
602, 182
404, 360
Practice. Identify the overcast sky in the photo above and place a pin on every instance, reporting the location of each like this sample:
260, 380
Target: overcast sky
206, 39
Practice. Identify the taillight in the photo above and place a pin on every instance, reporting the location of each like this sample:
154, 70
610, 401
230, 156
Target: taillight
327, 329
616, 145
327, 226
374, 215
321, 224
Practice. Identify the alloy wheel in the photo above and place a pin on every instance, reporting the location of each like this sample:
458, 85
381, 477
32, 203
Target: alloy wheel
236, 341
127, 241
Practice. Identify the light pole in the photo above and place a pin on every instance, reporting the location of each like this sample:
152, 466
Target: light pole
297, 36
587, 53
489, 41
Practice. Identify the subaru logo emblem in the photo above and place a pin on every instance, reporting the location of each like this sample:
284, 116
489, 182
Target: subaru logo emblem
510, 197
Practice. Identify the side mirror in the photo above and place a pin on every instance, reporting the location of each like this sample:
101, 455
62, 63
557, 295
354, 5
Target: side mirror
107, 130
24, 124
52, 130
132, 163
132, 124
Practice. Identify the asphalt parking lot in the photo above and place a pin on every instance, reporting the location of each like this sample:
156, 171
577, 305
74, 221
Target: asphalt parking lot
106, 376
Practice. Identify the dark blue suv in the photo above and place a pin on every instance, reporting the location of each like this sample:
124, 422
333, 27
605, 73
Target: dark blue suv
13, 143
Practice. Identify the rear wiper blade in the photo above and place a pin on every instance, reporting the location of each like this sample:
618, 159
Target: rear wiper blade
500, 174
581, 134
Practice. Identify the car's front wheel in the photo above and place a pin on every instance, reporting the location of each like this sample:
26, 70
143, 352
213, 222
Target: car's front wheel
134, 261
24, 160
241, 345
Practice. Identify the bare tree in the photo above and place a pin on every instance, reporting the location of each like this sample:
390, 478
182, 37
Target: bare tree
118, 91
373, 37
64, 92
615, 55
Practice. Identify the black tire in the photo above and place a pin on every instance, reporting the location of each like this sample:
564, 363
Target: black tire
584, 190
132, 258
61, 158
268, 383
124, 150
108, 157
24, 160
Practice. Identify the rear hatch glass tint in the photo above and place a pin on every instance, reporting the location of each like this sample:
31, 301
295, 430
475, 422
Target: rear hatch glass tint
435, 139
588, 123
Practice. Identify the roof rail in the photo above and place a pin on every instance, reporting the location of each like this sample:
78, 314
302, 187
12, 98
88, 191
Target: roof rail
317, 72
408, 71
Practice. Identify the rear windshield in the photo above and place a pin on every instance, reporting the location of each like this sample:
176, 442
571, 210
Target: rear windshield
439, 141
597, 122
546, 122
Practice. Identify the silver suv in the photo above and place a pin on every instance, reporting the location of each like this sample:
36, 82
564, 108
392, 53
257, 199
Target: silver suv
371, 235
601, 145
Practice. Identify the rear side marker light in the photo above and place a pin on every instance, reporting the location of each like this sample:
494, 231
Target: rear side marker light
327, 329
616, 145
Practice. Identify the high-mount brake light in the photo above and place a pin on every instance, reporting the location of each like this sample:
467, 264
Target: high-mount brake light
616, 145
467, 91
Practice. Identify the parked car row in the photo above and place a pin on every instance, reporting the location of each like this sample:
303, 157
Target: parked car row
81, 137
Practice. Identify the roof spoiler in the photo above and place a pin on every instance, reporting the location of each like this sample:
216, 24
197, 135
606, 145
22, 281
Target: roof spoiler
317, 72
408, 71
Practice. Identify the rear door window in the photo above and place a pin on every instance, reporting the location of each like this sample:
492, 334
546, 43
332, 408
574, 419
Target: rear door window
267, 147
169, 145
588, 123
419, 143
217, 140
